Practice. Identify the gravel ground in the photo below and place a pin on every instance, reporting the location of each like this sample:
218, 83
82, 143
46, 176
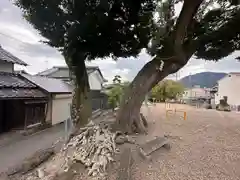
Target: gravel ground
205, 146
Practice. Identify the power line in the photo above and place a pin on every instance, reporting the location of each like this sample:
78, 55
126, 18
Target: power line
8, 36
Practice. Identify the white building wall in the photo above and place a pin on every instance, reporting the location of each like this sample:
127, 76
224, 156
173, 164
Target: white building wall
94, 78
229, 86
95, 81
196, 93
6, 67
49, 112
60, 108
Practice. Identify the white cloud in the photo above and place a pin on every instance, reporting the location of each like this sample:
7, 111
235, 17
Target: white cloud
19, 33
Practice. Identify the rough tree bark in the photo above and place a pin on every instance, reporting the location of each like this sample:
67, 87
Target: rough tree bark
150, 74
146, 79
81, 104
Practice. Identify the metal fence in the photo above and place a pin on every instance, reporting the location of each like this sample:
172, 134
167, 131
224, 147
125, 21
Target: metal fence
196, 102
235, 107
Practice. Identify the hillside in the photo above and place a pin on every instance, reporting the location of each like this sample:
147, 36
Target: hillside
204, 79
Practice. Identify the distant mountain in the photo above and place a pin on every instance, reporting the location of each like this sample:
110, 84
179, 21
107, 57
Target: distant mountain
204, 79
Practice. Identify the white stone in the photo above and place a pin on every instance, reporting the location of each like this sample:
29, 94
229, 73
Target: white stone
40, 173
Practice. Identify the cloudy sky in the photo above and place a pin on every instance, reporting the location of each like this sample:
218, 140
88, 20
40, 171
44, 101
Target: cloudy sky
19, 38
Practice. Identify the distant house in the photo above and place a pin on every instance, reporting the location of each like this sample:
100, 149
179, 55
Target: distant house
7, 61
96, 81
27, 100
108, 87
229, 86
196, 92
22, 103
95, 76
59, 97
20, 72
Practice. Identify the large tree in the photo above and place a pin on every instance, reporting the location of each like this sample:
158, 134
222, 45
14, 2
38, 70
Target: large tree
206, 29
86, 29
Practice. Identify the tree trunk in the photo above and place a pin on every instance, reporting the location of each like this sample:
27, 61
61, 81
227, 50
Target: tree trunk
81, 106
146, 79
81, 101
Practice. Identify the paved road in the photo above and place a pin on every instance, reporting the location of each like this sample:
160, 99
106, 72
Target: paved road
13, 153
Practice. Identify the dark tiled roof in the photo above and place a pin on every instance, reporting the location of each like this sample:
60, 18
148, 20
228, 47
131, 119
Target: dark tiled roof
14, 86
13, 81
8, 57
21, 93
50, 85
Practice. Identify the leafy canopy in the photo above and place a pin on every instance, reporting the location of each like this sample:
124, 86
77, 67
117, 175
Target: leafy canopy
208, 29
117, 79
213, 32
94, 28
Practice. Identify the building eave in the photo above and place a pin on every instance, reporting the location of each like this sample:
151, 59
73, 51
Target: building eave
10, 58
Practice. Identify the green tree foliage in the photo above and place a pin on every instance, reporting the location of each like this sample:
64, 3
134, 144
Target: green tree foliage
94, 28
117, 79
167, 89
174, 89
115, 95
205, 35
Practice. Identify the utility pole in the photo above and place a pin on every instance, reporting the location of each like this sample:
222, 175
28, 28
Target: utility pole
46, 61
190, 82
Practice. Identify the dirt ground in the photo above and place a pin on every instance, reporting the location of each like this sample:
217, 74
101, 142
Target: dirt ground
204, 146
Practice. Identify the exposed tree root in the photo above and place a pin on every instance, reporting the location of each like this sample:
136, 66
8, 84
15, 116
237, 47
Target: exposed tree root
140, 124
94, 147
144, 120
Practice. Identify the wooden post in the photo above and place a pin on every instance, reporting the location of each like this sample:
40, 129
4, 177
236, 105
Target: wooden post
26, 116
167, 114
185, 115
45, 112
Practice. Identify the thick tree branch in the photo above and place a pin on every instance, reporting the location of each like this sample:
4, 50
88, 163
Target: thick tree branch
188, 11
